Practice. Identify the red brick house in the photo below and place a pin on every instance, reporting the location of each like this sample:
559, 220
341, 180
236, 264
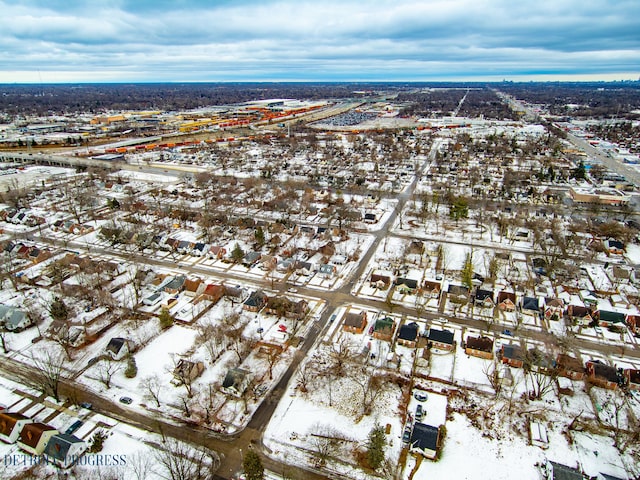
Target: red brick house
479, 347
602, 375
355, 322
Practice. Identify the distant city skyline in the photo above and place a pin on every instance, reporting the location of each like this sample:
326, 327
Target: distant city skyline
59, 41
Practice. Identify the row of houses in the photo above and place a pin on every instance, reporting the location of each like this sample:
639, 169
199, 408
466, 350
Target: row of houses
21, 217
552, 308
407, 334
37, 438
593, 371
278, 305
26, 252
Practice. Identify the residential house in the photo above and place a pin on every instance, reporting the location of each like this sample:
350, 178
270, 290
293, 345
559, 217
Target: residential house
153, 299
65, 450
193, 288
383, 329
432, 288
117, 348
632, 376
479, 347
614, 246
327, 270
557, 471
185, 247
483, 298
35, 436
512, 355
380, 281
540, 362
458, 292
199, 249
406, 285
355, 322
531, 304
187, 371
251, 258
11, 424
235, 382
441, 339
425, 440
569, 367
608, 318
506, 301
284, 307
553, 309
213, 293
408, 335
14, 319
255, 302
173, 285
603, 375
217, 252
579, 314
633, 322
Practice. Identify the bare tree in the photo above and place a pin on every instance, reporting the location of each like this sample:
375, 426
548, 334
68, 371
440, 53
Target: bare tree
325, 442
492, 373
48, 371
152, 388
141, 465
181, 461
106, 369
540, 372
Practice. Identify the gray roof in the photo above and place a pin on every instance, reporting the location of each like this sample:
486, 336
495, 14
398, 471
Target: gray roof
59, 445
234, 377
424, 437
441, 336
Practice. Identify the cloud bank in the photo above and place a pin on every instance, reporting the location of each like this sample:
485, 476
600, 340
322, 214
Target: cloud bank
348, 40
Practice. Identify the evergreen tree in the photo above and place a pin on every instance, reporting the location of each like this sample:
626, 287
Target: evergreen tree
252, 466
375, 447
166, 320
580, 172
237, 253
132, 369
467, 271
259, 236
459, 209
58, 310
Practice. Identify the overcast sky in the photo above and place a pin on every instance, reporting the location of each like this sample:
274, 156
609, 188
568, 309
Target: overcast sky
46, 41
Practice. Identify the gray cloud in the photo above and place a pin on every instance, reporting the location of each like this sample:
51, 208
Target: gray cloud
330, 40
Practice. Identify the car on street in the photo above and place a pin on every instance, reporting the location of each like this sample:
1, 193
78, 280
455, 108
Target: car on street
419, 412
507, 332
86, 405
126, 400
293, 289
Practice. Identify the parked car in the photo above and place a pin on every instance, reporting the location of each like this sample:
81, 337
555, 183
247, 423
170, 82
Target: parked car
420, 396
74, 426
86, 405
507, 332
126, 400
419, 412
406, 436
